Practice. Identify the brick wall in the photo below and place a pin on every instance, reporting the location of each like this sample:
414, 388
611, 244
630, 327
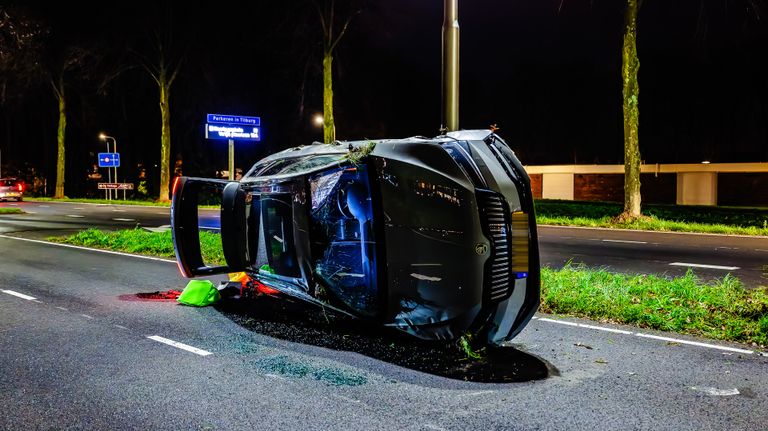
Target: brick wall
536, 185
742, 189
661, 189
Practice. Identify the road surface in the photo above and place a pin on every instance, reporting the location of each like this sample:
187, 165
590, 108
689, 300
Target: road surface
671, 254
80, 351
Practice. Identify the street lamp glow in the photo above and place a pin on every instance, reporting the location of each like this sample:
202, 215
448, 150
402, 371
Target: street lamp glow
102, 136
705, 162
318, 120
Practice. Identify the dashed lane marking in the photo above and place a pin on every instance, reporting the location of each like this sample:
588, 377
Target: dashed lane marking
77, 247
653, 337
75, 216
19, 295
87, 316
178, 345
120, 326
625, 241
123, 219
702, 265
118, 210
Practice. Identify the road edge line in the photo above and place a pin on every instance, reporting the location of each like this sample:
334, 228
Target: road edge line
78, 247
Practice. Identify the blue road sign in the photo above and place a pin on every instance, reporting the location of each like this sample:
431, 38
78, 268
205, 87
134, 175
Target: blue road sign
109, 160
239, 120
235, 132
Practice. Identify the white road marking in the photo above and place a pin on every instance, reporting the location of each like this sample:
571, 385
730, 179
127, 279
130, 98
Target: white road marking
44, 206
63, 309
19, 295
77, 247
625, 241
120, 326
581, 325
75, 215
715, 391
118, 210
695, 343
178, 345
701, 265
87, 316
81, 209
165, 213
760, 249
654, 337
31, 212
123, 219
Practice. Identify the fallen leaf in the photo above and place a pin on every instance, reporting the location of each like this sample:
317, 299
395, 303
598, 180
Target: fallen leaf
601, 361
583, 345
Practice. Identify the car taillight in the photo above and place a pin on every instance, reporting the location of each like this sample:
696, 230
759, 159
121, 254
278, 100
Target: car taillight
21, 187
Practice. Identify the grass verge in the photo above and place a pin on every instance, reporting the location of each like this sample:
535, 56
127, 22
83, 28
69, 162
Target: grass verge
731, 221
6, 210
101, 201
723, 310
139, 241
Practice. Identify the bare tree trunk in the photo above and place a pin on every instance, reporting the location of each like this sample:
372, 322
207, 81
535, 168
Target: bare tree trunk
165, 137
60, 158
631, 91
329, 125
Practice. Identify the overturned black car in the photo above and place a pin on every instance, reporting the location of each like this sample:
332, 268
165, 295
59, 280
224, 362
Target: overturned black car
433, 237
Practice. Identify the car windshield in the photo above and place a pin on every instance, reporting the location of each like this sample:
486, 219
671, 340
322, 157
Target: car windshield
292, 166
7, 183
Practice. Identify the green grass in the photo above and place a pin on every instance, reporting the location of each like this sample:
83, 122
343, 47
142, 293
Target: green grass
101, 201
6, 210
731, 221
139, 241
722, 310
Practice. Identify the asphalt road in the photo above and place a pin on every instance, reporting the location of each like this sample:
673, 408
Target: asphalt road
79, 356
710, 256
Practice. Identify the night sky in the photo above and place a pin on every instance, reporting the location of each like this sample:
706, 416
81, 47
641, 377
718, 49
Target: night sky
547, 72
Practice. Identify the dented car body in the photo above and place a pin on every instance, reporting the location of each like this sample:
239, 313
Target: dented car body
433, 237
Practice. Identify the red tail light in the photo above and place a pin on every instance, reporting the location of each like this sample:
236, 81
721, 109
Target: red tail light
175, 184
20, 186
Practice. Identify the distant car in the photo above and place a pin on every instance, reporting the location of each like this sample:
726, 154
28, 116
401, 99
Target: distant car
432, 237
11, 188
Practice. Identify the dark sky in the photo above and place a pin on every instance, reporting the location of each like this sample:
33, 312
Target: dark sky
546, 71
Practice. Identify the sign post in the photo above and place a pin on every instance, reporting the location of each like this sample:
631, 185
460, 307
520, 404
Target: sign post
231, 159
109, 160
233, 128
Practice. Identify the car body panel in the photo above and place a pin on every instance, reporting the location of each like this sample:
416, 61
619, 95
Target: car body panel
432, 237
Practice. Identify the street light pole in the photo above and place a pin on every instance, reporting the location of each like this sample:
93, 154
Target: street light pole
451, 65
108, 192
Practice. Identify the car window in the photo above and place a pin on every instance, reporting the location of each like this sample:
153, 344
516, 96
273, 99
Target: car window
293, 166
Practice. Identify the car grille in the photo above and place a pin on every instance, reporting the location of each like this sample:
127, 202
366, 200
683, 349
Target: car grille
496, 223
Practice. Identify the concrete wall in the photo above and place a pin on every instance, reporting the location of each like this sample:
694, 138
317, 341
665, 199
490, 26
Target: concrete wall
557, 186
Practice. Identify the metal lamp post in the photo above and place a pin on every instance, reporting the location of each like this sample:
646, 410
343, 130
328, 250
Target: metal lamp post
451, 65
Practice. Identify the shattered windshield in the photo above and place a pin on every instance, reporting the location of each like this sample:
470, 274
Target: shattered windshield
292, 166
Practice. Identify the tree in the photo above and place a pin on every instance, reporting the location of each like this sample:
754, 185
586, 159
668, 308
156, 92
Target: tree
630, 64
164, 72
328, 21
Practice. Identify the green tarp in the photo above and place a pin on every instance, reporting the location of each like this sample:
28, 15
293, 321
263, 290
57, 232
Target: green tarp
199, 293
